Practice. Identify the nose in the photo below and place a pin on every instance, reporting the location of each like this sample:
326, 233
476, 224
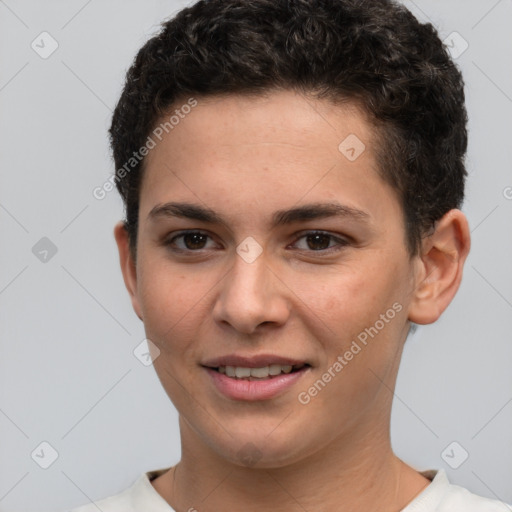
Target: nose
252, 295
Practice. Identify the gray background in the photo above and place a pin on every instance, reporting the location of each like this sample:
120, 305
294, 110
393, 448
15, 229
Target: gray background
68, 375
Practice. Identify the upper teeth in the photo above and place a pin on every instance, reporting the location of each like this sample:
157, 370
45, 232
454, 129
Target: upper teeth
241, 372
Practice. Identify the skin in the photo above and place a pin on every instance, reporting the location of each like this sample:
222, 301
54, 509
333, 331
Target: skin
245, 158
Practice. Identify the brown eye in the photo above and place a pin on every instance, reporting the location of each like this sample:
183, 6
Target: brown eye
189, 241
321, 242
194, 240
318, 241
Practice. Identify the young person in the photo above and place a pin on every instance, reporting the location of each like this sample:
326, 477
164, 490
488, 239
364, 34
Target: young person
292, 173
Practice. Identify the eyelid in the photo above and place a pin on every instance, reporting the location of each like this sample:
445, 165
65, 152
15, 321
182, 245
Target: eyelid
341, 241
168, 240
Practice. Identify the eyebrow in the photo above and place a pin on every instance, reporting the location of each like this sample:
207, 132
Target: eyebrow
279, 218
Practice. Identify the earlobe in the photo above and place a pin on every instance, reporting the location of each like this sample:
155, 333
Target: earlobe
440, 267
128, 267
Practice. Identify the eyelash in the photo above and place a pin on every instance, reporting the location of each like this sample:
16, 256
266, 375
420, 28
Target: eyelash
341, 243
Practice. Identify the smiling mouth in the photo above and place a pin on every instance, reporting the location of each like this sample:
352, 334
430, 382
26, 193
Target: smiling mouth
262, 373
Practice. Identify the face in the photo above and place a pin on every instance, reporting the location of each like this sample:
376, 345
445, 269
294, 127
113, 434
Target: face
263, 242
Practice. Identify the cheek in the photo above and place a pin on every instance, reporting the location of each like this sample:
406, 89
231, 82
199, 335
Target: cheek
348, 307
169, 301
344, 300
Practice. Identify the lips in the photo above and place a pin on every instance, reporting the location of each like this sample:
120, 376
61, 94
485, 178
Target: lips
250, 378
265, 372
256, 361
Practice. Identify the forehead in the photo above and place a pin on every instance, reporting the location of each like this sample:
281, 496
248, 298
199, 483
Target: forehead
266, 151
281, 116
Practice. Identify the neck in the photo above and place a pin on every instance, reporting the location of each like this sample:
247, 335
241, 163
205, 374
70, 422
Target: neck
350, 473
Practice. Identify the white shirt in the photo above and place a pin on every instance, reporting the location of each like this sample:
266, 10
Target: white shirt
439, 496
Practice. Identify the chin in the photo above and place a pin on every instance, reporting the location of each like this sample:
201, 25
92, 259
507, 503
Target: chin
261, 452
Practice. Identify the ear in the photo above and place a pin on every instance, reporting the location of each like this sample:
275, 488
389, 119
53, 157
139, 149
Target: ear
128, 267
439, 267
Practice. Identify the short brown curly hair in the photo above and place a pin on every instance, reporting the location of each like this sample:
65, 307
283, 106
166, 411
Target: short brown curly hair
374, 52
